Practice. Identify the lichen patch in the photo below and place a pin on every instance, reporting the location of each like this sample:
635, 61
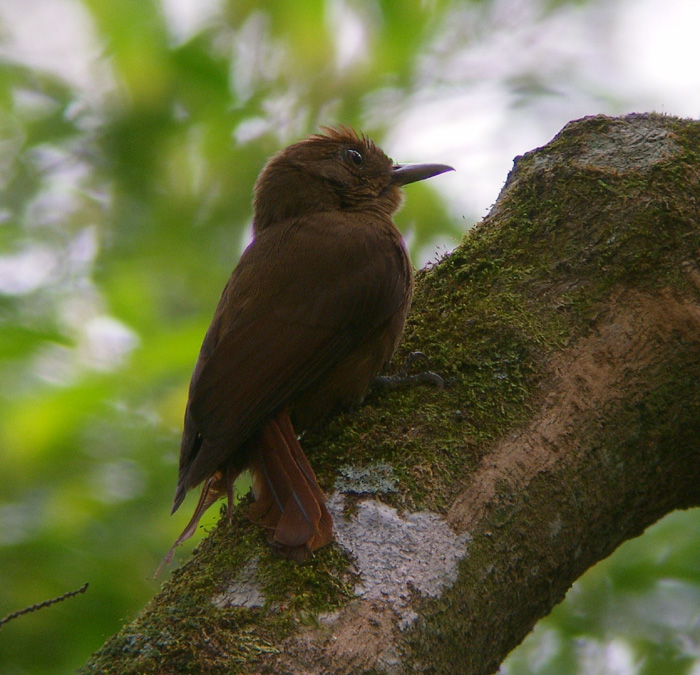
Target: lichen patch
397, 555
243, 591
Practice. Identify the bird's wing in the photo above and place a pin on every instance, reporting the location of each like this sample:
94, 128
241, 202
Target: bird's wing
296, 305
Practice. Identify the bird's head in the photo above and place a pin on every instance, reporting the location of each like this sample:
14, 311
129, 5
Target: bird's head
338, 170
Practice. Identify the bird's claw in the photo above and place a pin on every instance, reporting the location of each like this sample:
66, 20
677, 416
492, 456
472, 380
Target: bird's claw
402, 378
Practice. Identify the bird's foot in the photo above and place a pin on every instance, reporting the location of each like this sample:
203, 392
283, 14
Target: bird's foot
402, 378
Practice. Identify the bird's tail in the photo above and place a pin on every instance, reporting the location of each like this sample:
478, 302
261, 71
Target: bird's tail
288, 500
216, 486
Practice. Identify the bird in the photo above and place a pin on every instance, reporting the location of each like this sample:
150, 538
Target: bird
310, 315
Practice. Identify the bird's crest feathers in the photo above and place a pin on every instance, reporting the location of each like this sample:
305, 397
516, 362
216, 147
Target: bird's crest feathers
342, 134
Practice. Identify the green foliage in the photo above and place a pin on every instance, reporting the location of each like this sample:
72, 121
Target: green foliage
637, 609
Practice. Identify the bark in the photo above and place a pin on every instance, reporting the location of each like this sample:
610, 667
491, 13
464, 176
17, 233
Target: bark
567, 326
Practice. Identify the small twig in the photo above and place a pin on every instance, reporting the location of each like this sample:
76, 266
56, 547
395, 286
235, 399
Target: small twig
41, 605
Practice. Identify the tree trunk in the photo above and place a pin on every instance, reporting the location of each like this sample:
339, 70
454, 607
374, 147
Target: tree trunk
567, 327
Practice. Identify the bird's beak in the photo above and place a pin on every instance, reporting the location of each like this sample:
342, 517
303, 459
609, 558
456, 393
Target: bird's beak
410, 173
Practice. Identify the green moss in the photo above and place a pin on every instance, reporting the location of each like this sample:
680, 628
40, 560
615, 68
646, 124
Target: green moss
320, 584
186, 631
625, 439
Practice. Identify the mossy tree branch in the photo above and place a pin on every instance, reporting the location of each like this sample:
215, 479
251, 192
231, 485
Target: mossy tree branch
567, 325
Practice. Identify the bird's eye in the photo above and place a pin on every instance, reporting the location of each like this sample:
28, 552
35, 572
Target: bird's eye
354, 156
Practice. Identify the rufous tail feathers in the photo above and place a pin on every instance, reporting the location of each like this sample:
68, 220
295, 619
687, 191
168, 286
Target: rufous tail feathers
216, 486
288, 500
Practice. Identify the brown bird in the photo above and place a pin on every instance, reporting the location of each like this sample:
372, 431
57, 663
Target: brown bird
313, 310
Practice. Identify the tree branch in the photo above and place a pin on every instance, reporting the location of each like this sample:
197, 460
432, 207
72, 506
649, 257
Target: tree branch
567, 326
